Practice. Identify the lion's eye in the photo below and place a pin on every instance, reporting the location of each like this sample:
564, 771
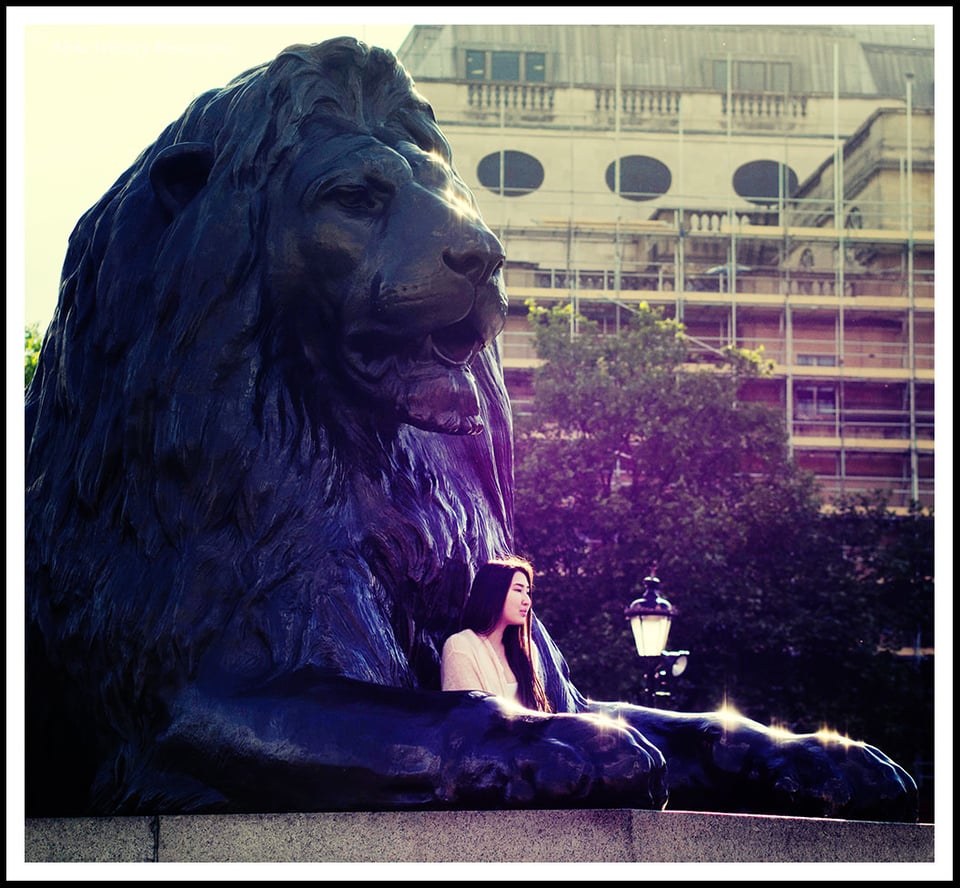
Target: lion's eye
358, 198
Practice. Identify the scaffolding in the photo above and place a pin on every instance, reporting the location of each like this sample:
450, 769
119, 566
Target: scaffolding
846, 316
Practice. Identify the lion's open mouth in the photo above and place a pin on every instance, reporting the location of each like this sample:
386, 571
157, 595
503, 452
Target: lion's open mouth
452, 346
456, 344
427, 380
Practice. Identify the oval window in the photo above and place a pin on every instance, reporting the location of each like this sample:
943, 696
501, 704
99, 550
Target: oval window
522, 173
763, 181
641, 178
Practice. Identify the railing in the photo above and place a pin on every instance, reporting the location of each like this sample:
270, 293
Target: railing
857, 353
860, 220
875, 425
863, 354
512, 96
899, 491
638, 101
516, 345
661, 278
880, 422
754, 104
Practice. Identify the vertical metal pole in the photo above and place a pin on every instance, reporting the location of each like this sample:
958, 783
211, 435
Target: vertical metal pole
680, 262
838, 277
680, 259
731, 215
618, 246
503, 139
911, 341
788, 362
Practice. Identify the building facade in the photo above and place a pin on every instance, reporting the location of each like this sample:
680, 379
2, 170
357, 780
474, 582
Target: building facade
766, 185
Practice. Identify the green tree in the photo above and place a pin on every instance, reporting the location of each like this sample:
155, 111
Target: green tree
31, 351
633, 457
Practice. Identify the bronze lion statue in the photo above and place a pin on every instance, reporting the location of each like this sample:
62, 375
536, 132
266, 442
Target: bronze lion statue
268, 443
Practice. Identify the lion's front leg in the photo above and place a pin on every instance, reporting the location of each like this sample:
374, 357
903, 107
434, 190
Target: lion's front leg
347, 745
722, 762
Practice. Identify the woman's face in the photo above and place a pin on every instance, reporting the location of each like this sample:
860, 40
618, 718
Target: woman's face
518, 601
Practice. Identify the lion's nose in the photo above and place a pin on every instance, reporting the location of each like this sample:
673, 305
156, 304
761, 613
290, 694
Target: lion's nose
477, 262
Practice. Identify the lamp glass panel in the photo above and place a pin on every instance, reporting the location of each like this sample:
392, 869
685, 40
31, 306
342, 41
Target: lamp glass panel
650, 633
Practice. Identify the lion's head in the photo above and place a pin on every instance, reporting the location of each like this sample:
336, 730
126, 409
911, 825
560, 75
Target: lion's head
376, 261
268, 430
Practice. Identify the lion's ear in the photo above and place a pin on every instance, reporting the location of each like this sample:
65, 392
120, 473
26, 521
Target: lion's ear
178, 172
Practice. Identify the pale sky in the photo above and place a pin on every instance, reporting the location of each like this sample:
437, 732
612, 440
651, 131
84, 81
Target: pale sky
96, 95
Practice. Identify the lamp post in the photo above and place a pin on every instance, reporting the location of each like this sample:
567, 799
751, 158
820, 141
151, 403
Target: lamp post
650, 618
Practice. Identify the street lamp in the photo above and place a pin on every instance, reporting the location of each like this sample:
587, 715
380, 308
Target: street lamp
650, 617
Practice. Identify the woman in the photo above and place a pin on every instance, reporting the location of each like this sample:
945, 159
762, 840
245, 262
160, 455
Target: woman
494, 651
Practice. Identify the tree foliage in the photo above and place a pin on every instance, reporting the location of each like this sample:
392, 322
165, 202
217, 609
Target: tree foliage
31, 352
634, 458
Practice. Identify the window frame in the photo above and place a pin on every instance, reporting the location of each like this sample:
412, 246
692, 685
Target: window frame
534, 57
775, 71
473, 54
526, 63
499, 58
822, 406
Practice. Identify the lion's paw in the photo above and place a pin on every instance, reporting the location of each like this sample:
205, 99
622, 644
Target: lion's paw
519, 758
720, 762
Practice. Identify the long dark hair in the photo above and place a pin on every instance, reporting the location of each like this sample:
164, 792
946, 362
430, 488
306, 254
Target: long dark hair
484, 607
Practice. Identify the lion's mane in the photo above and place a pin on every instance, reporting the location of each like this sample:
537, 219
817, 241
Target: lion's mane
195, 510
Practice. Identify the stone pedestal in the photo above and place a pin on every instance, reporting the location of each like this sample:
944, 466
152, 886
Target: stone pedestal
555, 836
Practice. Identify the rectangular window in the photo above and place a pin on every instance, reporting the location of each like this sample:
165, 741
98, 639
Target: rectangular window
720, 75
505, 65
806, 403
476, 64
535, 67
816, 360
750, 76
826, 402
816, 400
779, 77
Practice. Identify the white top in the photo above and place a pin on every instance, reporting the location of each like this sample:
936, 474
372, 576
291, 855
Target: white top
470, 663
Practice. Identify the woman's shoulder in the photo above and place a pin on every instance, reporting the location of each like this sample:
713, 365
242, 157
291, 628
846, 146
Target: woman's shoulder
464, 640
